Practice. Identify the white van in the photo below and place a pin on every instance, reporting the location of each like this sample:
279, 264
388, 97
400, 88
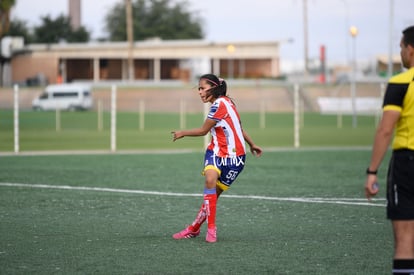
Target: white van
64, 97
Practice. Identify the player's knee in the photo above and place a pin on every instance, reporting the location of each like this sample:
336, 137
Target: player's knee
210, 183
211, 177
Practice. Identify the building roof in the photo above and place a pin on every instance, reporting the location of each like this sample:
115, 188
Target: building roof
383, 58
156, 48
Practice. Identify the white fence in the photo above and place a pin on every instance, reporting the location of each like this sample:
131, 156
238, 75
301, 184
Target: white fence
258, 99
363, 105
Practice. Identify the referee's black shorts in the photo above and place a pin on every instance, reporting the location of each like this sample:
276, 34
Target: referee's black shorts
400, 185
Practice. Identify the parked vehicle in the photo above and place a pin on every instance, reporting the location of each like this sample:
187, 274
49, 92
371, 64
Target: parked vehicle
64, 97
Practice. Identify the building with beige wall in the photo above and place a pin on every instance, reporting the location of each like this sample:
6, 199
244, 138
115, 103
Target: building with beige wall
153, 60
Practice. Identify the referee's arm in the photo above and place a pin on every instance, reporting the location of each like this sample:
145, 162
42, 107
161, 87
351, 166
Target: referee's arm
383, 137
382, 141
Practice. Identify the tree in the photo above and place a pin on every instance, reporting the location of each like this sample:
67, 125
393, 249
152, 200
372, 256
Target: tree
5, 6
154, 18
79, 35
19, 28
59, 29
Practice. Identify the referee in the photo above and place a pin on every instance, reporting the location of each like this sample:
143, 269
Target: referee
398, 114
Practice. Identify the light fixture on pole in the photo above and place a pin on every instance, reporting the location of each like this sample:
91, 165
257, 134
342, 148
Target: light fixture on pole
230, 70
354, 32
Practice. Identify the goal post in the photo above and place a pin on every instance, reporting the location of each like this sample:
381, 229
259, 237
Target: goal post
113, 118
16, 119
296, 116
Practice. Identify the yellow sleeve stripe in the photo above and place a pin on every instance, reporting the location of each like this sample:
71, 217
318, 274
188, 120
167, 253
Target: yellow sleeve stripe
392, 108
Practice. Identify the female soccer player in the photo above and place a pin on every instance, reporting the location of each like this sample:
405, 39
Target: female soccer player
225, 155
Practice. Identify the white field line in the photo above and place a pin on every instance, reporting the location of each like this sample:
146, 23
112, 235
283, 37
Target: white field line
345, 201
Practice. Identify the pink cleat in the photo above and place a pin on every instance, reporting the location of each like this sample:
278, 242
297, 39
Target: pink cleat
211, 236
186, 234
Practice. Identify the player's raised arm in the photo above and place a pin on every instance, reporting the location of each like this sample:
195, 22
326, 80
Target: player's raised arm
196, 132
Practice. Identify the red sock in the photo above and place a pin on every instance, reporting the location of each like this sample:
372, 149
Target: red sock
210, 202
200, 219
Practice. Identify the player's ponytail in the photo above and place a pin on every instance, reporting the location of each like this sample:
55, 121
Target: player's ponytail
222, 88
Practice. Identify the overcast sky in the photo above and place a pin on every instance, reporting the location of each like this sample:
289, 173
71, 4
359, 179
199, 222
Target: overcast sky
264, 20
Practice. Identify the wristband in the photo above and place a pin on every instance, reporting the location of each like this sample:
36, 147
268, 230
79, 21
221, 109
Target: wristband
369, 172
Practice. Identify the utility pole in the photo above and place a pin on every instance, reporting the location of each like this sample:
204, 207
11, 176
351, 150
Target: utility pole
347, 26
130, 37
354, 32
75, 14
390, 59
305, 35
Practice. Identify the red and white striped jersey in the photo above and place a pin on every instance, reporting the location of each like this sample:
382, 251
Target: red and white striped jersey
227, 137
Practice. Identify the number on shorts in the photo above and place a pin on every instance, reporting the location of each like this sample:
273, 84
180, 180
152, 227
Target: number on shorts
232, 174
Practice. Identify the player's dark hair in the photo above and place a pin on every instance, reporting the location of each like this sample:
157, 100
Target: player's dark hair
218, 85
408, 36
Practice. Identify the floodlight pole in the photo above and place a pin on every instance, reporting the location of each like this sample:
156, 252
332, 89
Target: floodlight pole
390, 59
346, 31
305, 36
354, 32
130, 37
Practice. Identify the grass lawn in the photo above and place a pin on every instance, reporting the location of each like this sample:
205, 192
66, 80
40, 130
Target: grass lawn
289, 212
79, 131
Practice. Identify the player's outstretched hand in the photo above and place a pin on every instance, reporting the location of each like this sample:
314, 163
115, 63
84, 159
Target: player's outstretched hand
177, 135
256, 150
